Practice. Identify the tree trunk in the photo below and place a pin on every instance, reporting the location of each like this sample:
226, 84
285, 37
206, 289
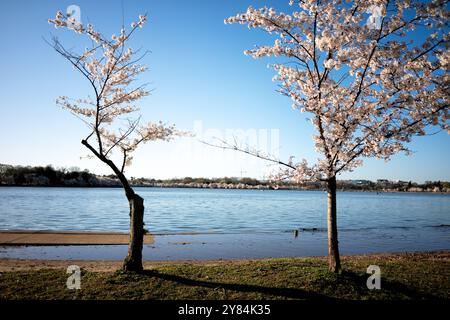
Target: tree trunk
334, 262
133, 261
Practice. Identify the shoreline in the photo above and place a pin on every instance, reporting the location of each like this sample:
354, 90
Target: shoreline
15, 265
191, 248
214, 246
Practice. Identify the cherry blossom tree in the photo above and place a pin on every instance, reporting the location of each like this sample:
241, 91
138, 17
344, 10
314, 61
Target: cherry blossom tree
109, 112
370, 74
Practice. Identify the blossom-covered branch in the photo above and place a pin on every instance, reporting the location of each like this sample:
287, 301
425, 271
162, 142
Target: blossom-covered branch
368, 89
111, 67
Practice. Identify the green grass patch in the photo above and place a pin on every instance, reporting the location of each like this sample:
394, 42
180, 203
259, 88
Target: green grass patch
418, 276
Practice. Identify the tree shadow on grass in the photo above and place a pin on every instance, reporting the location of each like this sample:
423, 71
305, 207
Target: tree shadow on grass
291, 293
391, 288
346, 280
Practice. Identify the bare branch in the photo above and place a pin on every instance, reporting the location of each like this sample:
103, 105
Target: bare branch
226, 146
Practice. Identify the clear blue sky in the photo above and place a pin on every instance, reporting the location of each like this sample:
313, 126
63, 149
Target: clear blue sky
201, 81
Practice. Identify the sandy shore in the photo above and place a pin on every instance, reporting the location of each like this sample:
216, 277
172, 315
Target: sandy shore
43, 238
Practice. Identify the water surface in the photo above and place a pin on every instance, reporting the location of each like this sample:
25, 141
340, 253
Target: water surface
231, 223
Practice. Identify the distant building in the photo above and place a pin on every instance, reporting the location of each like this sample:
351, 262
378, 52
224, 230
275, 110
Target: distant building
384, 182
361, 182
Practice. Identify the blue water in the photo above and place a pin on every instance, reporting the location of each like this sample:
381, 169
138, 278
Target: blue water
228, 223
220, 211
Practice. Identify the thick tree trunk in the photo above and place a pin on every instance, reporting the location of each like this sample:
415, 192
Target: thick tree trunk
334, 262
133, 261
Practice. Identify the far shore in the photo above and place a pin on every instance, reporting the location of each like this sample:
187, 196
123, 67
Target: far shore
49, 177
228, 188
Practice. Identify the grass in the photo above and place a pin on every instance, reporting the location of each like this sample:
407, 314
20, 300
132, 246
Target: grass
403, 276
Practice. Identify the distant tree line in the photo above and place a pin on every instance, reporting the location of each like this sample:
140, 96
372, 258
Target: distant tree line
44, 176
74, 177
190, 180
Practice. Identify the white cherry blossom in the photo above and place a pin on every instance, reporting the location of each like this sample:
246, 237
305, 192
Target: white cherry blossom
368, 88
110, 68
368, 91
